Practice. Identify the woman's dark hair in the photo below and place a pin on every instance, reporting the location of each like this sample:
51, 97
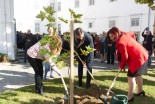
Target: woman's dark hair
113, 30
78, 31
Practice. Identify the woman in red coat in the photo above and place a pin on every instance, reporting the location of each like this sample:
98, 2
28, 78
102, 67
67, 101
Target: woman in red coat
134, 55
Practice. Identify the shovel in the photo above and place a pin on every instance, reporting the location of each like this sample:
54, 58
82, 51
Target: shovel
66, 97
105, 98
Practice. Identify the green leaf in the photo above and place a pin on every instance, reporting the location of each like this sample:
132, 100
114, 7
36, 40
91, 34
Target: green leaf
77, 16
49, 10
75, 62
49, 25
43, 52
149, 2
89, 49
66, 37
42, 15
44, 40
65, 55
84, 52
54, 31
61, 64
50, 18
77, 21
71, 11
62, 19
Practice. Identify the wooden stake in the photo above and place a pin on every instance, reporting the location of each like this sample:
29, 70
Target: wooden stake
71, 84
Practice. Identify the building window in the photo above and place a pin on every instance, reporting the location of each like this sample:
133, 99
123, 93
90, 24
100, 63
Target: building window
59, 6
37, 27
59, 27
91, 2
76, 3
112, 0
52, 5
90, 25
134, 22
111, 23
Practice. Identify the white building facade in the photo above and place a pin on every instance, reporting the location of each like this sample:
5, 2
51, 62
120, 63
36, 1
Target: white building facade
101, 15
25, 12
7, 29
98, 15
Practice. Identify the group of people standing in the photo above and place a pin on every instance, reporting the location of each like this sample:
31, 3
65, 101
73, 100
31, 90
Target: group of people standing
104, 47
128, 52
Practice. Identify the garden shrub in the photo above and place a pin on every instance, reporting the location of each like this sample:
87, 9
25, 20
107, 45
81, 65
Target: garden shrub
4, 58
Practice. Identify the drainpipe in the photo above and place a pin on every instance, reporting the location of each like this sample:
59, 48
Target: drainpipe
5, 26
153, 8
149, 17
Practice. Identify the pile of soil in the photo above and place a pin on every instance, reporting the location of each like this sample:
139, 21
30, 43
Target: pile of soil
86, 96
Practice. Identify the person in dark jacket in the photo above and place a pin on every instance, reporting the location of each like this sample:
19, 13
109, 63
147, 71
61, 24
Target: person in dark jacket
110, 50
30, 40
83, 39
148, 43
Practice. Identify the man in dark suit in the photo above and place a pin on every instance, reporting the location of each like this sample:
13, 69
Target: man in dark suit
83, 39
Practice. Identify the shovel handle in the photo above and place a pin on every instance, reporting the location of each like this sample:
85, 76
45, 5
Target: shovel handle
112, 83
64, 85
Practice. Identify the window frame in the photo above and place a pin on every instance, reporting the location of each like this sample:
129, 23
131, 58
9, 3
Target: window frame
90, 25
76, 2
37, 27
135, 22
59, 6
91, 2
112, 23
52, 5
59, 27
112, 0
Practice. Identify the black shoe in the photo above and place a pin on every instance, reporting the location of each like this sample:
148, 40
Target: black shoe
88, 86
131, 100
52, 76
141, 93
79, 84
40, 92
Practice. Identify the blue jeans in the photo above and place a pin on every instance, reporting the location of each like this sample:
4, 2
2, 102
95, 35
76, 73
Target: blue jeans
47, 68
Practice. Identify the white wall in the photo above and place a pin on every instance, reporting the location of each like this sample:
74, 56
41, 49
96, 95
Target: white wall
104, 10
100, 14
25, 14
7, 29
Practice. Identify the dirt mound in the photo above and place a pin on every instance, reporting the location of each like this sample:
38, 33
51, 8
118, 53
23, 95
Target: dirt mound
86, 96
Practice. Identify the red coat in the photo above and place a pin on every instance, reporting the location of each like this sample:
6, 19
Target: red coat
132, 53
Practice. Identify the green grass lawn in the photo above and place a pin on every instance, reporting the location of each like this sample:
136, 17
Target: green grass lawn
54, 90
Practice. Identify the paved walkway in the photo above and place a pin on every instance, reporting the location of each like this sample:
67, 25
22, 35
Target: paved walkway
14, 76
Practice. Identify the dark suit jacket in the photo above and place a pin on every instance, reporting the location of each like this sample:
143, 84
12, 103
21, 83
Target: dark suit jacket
148, 39
87, 41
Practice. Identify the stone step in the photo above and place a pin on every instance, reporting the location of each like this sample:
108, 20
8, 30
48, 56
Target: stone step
20, 54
